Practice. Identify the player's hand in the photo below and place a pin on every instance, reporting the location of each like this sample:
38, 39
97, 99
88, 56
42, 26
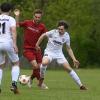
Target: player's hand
76, 63
17, 12
37, 47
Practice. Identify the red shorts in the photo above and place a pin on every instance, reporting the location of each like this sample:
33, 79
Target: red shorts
32, 54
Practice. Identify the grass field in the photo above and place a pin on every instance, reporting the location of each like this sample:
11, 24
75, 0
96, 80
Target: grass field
61, 86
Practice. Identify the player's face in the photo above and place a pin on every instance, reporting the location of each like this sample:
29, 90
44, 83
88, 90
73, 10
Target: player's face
37, 17
61, 30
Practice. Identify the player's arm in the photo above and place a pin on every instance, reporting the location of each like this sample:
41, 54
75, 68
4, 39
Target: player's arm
71, 54
40, 40
14, 37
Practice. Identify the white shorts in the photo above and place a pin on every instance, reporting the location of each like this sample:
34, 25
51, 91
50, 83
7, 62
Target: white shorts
59, 57
7, 48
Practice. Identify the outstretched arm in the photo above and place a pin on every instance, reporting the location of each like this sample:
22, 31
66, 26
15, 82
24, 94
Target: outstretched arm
40, 40
71, 54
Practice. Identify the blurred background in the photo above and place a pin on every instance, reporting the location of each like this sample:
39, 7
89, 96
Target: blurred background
83, 17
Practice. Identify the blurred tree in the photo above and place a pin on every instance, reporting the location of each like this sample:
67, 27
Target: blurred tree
83, 17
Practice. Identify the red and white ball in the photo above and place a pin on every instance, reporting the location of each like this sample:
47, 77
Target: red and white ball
23, 79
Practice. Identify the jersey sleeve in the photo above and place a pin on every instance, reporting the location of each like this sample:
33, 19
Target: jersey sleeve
49, 33
12, 22
45, 29
22, 24
67, 40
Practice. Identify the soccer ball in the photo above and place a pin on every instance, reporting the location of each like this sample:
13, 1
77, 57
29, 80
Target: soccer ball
23, 79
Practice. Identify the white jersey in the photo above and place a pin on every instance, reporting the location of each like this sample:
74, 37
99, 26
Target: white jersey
6, 22
56, 41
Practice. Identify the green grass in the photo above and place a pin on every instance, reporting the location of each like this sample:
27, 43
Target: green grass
61, 86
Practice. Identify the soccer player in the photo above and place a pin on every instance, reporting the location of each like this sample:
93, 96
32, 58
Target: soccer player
33, 29
53, 51
8, 43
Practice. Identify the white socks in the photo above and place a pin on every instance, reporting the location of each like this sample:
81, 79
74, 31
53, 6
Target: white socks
75, 77
42, 71
15, 73
1, 72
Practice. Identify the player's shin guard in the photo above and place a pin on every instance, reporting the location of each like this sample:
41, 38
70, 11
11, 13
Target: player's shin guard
15, 73
42, 74
75, 77
42, 71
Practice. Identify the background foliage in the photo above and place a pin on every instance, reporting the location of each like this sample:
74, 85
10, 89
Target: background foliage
83, 17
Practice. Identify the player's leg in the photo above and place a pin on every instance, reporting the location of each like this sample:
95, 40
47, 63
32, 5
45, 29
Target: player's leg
30, 55
2, 61
15, 74
38, 57
39, 61
71, 72
45, 61
1, 74
74, 75
43, 67
35, 73
15, 68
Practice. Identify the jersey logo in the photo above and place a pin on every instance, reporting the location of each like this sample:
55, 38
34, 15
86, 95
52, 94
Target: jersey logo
63, 40
45, 54
33, 29
57, 42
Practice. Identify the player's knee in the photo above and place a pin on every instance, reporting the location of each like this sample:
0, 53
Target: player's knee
68, 69
44, 63
15, 63
35, 65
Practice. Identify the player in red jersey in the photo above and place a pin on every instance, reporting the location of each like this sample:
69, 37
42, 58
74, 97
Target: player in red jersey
33, 29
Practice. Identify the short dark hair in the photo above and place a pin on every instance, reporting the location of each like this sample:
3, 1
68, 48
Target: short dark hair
63, 23
6, 7
38, 11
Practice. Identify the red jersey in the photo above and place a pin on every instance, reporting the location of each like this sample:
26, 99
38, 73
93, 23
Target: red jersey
32, 32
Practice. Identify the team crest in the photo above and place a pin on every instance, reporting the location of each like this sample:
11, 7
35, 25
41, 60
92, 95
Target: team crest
63, 40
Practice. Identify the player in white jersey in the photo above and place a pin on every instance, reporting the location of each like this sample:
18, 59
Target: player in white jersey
53, 51
8, 45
